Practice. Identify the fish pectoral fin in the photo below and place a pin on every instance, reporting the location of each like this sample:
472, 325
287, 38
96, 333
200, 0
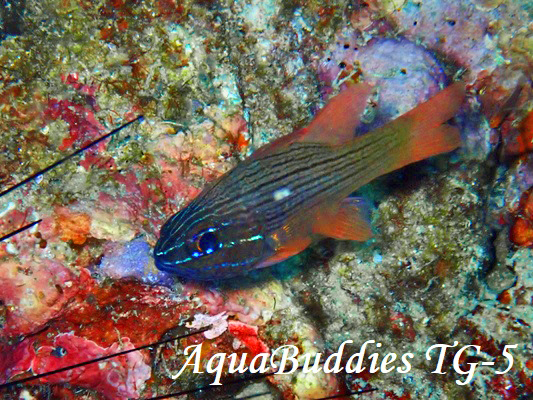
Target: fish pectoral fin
285, 243
287, 251
336, 122
347, 221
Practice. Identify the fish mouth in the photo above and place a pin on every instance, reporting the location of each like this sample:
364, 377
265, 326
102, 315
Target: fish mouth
164, 265
186, 273
161, 260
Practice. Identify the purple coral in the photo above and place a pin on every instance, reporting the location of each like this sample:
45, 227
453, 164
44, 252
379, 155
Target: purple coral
132, 259
406, 75
458, 29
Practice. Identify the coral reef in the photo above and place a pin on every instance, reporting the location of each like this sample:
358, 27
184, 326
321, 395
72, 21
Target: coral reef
452, 252
121, 377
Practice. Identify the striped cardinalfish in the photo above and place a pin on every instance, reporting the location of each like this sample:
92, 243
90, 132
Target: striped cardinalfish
295, 190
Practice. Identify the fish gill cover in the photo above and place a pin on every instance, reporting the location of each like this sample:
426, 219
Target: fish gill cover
450, 260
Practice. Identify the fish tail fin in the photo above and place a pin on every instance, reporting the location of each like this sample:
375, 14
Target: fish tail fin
425, 144
425, 127
438, 109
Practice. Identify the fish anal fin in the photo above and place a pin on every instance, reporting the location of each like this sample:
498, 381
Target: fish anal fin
346, 221
336, 122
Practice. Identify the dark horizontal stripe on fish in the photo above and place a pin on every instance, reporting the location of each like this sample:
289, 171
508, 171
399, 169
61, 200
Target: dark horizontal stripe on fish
320, 172
312, 194
330, 184
206, 209
291, 168
251, 174
294, 165
347, 166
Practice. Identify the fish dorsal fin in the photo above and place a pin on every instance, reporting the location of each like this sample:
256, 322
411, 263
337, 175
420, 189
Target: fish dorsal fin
280, 142
334, 124
346, 221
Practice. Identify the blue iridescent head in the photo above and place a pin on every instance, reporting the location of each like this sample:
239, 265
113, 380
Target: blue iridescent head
208, 241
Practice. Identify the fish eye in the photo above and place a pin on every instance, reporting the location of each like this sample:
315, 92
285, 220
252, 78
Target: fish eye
207, 242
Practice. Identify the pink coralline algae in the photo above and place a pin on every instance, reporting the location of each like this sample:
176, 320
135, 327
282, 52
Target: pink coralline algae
402, 326
33, 293
117, 378
98, 320
140, 206
83, 124
248, 335
172, 183
10, 221
88, 90
15, 359
245, 306
218, 324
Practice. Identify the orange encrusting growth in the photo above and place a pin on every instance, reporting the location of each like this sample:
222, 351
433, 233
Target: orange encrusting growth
526, 133
522, 231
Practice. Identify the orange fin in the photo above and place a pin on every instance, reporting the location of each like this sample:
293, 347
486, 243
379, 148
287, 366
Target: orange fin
426, 133
439, 140
348, 221
286, 245
437, 110
280, 142
336, 122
